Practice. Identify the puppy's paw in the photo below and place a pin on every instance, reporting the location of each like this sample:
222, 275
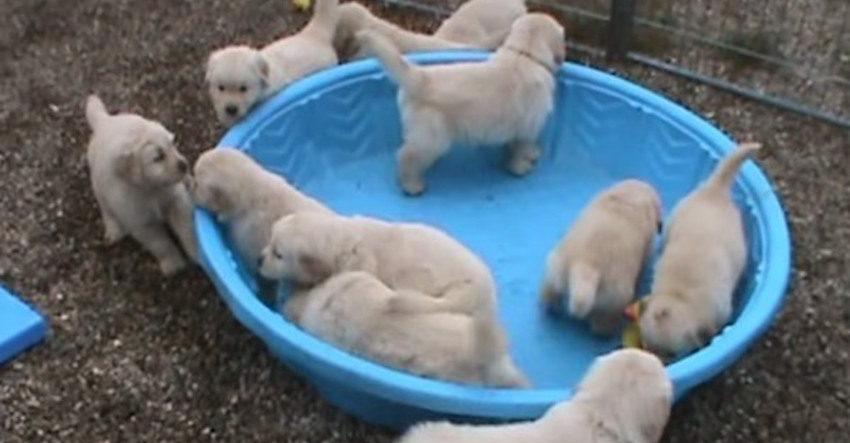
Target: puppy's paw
413, 186
172, 265
113, 233
523, 159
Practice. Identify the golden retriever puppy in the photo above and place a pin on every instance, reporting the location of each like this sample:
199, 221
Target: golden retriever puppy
351, 310
248, 198
443, 274
599, 261
137, 178
239, 77
703, 257
354, 17
625, 396
504, 100
482, 23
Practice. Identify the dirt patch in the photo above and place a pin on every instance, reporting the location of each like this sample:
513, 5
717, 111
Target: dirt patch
135, 357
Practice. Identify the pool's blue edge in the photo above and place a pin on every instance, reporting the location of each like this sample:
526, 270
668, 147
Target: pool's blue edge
32, 327
332, 365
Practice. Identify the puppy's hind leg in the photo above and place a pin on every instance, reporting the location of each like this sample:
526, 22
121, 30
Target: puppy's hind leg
113, 231
156, 239
424, 143
522, 156
462, 297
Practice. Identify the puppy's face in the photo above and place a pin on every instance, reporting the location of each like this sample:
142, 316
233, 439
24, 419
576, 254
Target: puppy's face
237, 78
216, 181
295, 253
669, 328
151, 158
539, 35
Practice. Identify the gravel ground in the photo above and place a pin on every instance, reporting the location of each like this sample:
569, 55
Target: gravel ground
135, 357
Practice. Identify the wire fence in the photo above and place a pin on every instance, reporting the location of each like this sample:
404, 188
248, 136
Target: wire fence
792, 54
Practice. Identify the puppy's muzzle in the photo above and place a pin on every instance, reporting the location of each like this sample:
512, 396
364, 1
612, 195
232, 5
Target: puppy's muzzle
182, 166
231, 110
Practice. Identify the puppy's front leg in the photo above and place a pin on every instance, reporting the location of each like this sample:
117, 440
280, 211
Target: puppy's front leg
523, 155
181, 221
155, 238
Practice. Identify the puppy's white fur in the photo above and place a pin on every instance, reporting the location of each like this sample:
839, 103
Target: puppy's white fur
703, 258
137, 178
239, 77
626, 396
309, 247
599, 261
351, 310
247, 197
482, 23
354, 17
504, 100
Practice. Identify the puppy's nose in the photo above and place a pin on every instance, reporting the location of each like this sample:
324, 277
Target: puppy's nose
231, 109
182, 166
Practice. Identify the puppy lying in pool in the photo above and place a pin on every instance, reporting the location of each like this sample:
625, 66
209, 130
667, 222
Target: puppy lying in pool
504, 100
440, 274
703, 257
598, 262
624, 397
137, 177
248, 198
354, 17
481, 23
239, 77
351, 310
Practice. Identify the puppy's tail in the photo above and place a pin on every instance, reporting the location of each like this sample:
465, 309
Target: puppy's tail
584, 282
407, 76
95, 111
727, 169
498, 369
324, 21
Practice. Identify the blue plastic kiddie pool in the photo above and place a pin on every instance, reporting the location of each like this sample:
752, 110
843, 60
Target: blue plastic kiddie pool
335, 135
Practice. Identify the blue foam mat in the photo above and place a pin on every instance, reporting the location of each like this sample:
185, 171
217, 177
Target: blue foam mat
20, 326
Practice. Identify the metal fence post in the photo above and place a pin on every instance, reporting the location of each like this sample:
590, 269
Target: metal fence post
620, 26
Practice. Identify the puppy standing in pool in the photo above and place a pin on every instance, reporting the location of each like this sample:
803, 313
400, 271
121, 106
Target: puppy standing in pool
137, 178
504, 100
239, 76
704, 255
481, 23
438, 272
248, 198
351, 310
624, 397
599, 261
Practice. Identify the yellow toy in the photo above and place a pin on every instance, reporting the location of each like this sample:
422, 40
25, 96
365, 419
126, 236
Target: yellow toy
631, 334
302, 5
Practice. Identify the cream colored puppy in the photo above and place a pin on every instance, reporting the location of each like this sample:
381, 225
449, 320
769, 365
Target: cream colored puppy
351, 310
626, 396
482, 23
239, 77
504, 100
248, 198
354, 17
137, 178
310, 247
599, 261
703, 257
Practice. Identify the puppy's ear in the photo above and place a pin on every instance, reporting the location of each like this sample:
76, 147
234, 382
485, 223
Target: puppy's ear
314, 268
127, 166
662, 314
262, 67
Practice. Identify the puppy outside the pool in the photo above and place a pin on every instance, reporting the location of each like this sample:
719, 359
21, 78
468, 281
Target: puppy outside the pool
702, 260
598, 262
354, 17
625, 396
137, 177
239, 77
249, 199
351, 310
439, 273
482, 23
504, 100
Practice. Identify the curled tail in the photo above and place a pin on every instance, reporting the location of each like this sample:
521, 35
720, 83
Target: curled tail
407, 76
324, 21
491, 352
95, 111
727, 169
584, 283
